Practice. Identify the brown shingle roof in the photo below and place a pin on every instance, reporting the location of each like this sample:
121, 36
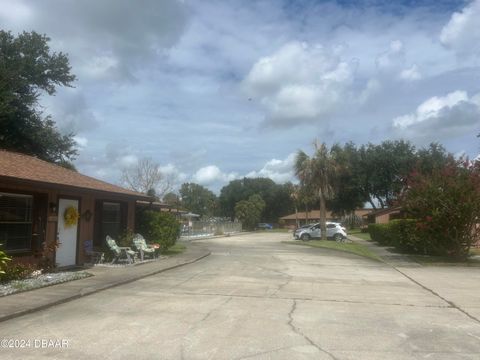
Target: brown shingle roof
384, 211
19, 166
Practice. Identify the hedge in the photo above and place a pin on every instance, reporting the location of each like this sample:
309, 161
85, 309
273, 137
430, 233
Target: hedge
401, 234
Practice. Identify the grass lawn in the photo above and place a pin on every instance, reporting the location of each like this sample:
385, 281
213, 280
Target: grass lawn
353, 248
175, 249
358, 233
475, 251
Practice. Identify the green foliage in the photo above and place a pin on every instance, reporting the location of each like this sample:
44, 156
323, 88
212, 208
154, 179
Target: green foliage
27, 69
380, 234
446, 206
249, 212
158, 227
278, 201
4, 259
349, 194
126, 238
172, 199
318, 172
405, 237
198, 199
376, 173
15, 271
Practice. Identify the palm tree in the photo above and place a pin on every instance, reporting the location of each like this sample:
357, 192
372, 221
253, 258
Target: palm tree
318, 172
294, 192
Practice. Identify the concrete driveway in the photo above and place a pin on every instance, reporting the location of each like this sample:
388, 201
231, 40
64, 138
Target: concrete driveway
256, 298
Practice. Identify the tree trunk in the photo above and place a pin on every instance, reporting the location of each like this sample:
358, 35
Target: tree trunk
306, 214
296, 217
323, 215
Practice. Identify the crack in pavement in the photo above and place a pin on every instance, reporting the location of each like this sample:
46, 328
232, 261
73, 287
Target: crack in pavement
198, 323
451, 303
297, 331
263, 352
308, 299
188, 279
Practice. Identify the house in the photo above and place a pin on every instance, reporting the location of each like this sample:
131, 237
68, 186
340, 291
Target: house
290, 221
45, 204
383, 216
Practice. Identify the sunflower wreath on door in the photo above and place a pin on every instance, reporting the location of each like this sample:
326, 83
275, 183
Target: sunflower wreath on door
71, 216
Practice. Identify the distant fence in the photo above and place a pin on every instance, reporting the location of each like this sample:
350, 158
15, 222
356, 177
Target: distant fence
205, 228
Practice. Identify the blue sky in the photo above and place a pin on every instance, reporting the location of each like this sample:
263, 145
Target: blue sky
217, 90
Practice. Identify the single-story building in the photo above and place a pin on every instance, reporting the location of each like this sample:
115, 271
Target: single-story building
313, 216
383, 216
42, 204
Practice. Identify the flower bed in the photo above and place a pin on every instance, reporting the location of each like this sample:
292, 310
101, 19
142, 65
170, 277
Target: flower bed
40, 281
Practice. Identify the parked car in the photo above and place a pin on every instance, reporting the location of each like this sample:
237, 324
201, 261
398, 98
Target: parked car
334, 230
264, 226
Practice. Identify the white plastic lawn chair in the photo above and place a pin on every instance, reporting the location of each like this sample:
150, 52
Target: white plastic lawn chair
142, 247
121, 253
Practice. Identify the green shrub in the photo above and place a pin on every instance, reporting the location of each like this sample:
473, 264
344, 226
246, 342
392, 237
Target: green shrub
4, 259
380, 234
158, 227
16, 271
446, 206
404, 237
126, 238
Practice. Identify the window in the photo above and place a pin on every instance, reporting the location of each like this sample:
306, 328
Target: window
16, 222
111, 220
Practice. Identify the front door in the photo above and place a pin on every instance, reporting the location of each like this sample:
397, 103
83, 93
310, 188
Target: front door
67, 235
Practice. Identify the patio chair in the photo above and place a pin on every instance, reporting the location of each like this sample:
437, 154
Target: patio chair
121, 253
142, 247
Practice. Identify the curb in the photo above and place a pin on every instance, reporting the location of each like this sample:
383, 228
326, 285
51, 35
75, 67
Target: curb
98, 289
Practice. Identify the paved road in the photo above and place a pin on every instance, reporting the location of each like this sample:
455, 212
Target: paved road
256, 298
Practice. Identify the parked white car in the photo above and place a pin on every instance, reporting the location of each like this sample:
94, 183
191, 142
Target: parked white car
334, 230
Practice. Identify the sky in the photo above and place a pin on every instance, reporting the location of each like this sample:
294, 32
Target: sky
222, 89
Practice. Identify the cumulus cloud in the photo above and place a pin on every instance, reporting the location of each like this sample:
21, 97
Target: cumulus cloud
300, 82
441, 116
462, 32
279, 171
211, 174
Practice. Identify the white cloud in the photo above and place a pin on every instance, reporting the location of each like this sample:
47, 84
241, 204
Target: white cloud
462, 32
300, 83
392, 58
15, 11
371, 89
411, 74
212, 174
81, 141
71, 111
440, 116
128, 160
279, 171
109, 38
